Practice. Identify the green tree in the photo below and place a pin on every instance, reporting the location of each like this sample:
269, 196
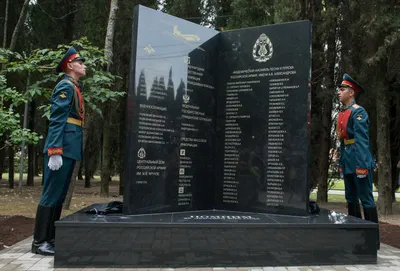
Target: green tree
10, 127
41, 64
251, 13
370, 50
108, 53
191, 10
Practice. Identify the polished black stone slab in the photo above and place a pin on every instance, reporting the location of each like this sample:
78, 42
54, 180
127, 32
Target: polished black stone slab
213, 238
262, 119
170, 116
217, 120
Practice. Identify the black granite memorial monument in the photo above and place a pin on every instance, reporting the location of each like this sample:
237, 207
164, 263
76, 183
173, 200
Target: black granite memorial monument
218, 120
217, 157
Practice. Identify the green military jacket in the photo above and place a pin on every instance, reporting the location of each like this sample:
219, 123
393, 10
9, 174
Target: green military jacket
353, 126
65, 136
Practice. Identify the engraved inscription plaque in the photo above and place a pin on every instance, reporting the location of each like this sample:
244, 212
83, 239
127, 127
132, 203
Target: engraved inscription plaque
217, 120
263, 106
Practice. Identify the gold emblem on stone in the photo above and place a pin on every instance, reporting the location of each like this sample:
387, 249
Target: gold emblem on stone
149, 49
186, 98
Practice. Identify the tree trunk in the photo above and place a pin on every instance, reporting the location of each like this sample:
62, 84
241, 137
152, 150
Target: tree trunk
223, 8
325, 138
38, 165
13, 42
68, 198
11, 154
80, 176
69, 22
122, 150
88, 157
316, 128
31, 148
25, 125
108, 46
383, 144
2, 160
2, 150
395, 142
5, 27
314, 15
31, 165
106, 153
88, 178
19, 25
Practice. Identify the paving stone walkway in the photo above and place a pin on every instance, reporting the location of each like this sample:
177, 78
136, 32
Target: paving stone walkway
18, 257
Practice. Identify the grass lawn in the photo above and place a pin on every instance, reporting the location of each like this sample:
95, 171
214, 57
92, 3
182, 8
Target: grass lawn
24, 201
16, 176
339, 185
333, 198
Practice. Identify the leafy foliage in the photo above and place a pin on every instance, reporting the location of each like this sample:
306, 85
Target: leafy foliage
259, 12
10, 127
98, 84
40, 64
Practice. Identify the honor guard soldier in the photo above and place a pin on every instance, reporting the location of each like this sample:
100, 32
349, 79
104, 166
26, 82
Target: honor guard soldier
356, 161
63, 147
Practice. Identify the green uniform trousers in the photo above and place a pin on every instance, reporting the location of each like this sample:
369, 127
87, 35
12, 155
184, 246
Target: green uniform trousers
56, 182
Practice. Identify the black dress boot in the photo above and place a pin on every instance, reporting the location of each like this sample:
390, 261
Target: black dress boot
52, 227
354, 210
371, 214
40, 244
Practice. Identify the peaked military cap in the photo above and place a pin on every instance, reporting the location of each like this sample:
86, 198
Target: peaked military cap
350, 82
71, 55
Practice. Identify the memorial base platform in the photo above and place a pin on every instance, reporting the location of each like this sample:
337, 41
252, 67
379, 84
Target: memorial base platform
213, 238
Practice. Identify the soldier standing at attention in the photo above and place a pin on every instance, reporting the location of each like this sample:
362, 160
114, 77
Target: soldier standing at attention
356, 161
63, 147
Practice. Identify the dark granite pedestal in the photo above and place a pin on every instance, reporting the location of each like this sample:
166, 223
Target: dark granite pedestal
213, 238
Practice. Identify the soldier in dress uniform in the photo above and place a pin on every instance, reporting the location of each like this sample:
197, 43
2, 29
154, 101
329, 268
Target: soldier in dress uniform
356, 161
63, 147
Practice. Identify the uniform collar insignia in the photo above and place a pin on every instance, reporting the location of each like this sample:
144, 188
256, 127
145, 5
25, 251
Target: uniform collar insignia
76, 83
350, 105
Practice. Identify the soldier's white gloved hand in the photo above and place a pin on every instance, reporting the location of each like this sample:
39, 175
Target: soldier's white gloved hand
55, 162
361, 176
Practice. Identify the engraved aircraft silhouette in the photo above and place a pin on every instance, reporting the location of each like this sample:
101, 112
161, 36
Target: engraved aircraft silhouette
187, 37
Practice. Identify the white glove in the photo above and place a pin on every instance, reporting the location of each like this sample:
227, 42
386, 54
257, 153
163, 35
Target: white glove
55, 162
361, 176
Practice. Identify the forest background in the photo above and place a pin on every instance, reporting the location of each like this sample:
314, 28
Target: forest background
358, 37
